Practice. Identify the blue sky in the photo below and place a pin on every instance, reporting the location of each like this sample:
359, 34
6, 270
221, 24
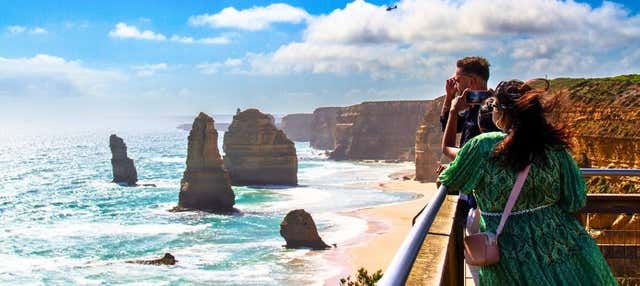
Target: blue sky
65, 60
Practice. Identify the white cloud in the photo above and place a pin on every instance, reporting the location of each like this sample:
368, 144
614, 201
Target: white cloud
15, 29
50, 75
530, 36
150, 70
229, 65
207, 41
124, 31
252, 19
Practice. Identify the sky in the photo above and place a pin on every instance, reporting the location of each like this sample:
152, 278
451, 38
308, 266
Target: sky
78, 62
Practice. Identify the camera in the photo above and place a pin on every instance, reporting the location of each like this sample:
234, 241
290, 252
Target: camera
476, 97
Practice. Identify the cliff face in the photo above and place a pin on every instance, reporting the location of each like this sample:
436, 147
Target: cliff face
323, 128
382, 130
297, 126
124, 171
428, 139
604, 116
256, 153
205, 184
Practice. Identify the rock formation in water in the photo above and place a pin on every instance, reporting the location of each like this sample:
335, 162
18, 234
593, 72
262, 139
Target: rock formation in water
257, 153
299, 230
124, 171
205, 184
323, 128
167, 259
384, 130
428, 141
297, 126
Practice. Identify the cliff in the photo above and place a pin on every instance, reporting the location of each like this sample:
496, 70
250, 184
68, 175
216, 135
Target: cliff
257, 153
428, 140
383, 130
323, 128
124, 171
297, 126
603, 114
205, 184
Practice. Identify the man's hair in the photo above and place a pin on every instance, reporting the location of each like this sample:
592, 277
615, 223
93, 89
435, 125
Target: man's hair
475, 65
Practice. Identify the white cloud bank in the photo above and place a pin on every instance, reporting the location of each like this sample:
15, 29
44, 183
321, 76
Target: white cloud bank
16, 29
252, 19
423, 37
124, 31
54, 76
150, 70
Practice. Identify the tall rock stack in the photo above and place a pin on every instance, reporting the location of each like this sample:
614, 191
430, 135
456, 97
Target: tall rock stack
297, 126
428, 142
124, 171
205, 184
257, 153
323, 128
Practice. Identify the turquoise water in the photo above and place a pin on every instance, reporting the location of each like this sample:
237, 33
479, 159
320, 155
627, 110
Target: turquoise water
64, 223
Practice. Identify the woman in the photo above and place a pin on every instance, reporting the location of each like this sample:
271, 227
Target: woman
542, 242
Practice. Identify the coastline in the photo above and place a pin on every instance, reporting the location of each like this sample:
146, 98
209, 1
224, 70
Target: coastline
387, 226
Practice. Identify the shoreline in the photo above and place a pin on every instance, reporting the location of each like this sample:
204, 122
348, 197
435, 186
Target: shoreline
387, 226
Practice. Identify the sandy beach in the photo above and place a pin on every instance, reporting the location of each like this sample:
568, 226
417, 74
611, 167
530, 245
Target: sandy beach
387, 228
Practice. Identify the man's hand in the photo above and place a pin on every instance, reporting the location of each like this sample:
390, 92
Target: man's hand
450, 87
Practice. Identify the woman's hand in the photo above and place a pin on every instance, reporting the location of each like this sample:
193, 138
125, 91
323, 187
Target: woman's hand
460, 102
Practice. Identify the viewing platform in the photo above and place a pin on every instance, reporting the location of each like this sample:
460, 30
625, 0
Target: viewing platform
432, 252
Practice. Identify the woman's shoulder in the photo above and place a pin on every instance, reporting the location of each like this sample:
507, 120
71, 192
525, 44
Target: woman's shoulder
488, 139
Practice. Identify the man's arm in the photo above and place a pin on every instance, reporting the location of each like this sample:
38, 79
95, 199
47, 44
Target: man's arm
450, 91
448, 145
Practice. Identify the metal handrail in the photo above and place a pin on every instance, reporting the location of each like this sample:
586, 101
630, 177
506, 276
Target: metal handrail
400, 267
590, 172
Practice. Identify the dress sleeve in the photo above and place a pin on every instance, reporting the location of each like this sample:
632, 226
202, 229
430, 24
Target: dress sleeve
573, 191
465, 172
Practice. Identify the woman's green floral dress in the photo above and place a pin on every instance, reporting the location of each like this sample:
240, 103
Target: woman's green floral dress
547, 246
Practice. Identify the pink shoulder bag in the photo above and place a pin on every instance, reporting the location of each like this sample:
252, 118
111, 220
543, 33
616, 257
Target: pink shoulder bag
481, 249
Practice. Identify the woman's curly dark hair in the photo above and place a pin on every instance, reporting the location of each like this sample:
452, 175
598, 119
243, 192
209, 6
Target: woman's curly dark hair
528, 132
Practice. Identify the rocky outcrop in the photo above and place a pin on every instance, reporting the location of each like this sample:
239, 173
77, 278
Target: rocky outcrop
428, 140
205, 184
382, 130
124, 171
323, 128
297, 126
299, 230
257, 153
167, 259
603, 116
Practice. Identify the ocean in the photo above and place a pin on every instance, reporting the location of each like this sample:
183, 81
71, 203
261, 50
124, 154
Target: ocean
65, 223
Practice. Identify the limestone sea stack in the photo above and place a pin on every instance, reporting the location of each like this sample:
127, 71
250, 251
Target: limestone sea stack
205, 184
428, 142
323, 128
299, 230
257, 153
297, 126
124, 171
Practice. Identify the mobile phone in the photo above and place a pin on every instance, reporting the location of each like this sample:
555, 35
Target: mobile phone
476, 97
